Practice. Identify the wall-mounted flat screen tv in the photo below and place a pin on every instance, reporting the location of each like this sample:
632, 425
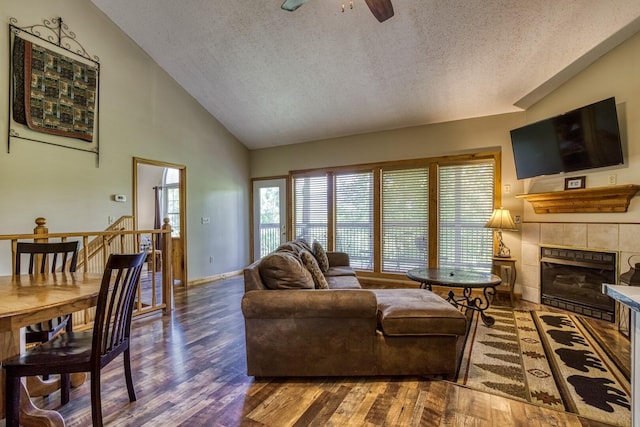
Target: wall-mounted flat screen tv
585, 138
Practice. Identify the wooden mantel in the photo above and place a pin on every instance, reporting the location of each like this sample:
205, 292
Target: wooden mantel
585, 200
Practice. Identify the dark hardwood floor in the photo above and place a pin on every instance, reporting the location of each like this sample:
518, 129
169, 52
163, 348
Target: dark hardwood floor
189, 370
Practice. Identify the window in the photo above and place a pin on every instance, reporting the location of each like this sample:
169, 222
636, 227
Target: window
396, 216
172, 199
269, 219
354, 218
405, 217
465, 198
311, 212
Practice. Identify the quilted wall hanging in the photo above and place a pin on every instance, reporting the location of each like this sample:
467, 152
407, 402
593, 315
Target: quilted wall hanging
54, 87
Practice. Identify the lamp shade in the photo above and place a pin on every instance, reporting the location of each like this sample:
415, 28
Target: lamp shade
501, 220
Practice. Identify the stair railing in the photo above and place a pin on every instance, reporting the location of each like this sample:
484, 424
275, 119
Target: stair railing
155, 292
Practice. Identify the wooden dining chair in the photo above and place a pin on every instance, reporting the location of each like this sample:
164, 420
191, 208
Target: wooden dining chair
87, 351
45, 257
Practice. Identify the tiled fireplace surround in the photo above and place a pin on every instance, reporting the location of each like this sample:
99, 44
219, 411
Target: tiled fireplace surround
623, 238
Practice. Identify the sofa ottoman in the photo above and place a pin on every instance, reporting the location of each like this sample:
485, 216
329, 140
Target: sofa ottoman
418, 333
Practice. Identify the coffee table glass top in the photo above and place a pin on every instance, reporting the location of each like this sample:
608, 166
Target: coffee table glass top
454, 277
465, 279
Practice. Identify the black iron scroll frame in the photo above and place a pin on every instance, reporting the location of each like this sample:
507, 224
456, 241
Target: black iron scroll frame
53, 32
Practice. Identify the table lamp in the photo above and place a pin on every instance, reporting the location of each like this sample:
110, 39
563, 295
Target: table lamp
631, 277
501, 220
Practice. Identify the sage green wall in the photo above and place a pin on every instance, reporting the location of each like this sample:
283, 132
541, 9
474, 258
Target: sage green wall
481, 134
463, 136
143, 113
615, 74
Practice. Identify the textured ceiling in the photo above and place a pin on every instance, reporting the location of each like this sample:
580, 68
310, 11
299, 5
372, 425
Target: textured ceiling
273, 77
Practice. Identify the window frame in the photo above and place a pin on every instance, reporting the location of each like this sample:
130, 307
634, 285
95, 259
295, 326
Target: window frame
377, 168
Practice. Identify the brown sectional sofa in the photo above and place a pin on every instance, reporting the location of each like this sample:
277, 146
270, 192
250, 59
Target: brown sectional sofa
343, 330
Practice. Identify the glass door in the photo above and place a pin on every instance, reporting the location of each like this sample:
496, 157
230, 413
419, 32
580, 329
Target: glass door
269, 216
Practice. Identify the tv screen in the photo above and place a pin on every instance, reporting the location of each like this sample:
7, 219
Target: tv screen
585, 138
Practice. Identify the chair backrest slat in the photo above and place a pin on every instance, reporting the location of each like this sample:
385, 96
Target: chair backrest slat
47, 253
112, 323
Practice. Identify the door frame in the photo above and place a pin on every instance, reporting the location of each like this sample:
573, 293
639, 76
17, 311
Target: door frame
284, 219
182, 170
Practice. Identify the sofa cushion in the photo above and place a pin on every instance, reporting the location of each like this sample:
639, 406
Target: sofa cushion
403, 312
321, 256
338, 259
343, 282
311, 264
283, 270
343, 270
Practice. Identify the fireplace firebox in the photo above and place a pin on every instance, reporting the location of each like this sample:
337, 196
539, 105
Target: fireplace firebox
572, 279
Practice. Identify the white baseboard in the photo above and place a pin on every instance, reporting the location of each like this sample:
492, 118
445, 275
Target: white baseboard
214, 278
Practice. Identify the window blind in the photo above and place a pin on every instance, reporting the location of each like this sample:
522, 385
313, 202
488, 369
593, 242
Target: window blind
354, 218
310, 212
465, 198
405, 218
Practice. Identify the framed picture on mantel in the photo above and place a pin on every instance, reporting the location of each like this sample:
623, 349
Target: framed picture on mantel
575, 182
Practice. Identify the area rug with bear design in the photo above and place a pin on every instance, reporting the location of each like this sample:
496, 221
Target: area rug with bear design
546, 358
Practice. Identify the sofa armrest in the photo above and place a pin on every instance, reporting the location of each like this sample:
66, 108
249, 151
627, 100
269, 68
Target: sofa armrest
338, 259
310, 332
252, 279
301, 304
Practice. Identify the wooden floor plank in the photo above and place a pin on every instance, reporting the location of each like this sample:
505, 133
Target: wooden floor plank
189, 370
285, 406
401, 406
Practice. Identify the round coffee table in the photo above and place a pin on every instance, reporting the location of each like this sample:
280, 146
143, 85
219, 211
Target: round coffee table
464, 279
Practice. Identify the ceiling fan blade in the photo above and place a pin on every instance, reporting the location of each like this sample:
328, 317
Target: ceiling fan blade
381, 9
292, 5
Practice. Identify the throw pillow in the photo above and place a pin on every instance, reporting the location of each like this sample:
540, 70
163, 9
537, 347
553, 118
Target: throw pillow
289, 247
283, 270
310, 262
302, 243
321, 256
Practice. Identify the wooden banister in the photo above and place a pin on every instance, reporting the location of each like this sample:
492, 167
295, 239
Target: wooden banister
120, 237
98, 244
167, 263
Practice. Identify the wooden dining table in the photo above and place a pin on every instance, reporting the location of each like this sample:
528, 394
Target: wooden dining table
30, 299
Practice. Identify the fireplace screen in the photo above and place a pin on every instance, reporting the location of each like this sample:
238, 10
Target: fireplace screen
572, 280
